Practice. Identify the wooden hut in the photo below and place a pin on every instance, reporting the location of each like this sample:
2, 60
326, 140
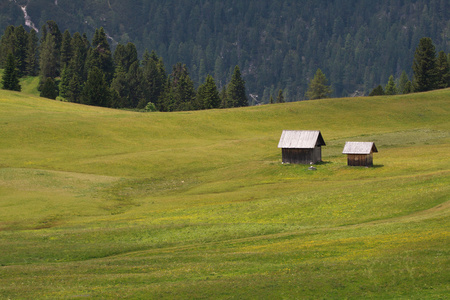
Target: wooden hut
301, 146
360, 153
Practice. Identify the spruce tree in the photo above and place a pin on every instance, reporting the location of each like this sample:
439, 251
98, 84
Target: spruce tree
443, 70
134, 79
154, 78
49, 89
280, 97
378, 91
391, 88
318, 88
48, 59
10, 79
74, 92
424, 66
120, 88
100, 55
402, 82
236, 94
271, 100
208, 95
66, 49
96, 90
20, 49
31, 58
7, 45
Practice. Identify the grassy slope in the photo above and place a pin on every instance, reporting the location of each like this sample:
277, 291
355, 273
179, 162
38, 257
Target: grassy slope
108, 203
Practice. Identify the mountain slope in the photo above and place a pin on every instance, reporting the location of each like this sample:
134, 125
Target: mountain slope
278, 44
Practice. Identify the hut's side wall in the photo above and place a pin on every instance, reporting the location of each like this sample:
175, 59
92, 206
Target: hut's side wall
302, 156
365, 160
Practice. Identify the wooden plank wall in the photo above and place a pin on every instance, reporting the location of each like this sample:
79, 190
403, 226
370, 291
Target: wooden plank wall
360, 160
302, 156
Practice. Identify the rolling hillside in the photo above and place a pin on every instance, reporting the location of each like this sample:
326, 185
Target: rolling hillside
104, 203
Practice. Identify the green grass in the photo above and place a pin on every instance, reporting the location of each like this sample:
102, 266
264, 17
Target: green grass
102, 203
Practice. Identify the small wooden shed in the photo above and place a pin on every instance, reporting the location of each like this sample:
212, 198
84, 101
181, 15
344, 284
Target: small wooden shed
360, 153
301, 146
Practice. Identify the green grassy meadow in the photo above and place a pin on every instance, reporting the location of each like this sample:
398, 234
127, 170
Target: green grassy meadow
101, 203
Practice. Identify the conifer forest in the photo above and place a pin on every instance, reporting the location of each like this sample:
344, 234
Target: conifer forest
175, 54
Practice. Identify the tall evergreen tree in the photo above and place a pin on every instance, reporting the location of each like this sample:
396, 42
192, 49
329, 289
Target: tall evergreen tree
120, 89
10, 79
48, 59
7, 44
66, 49
100, 55
318, 88
125, 56
49, 89
75, 89
378, 91
96, 90
402, 82
154, 78
20, 49
32, 57
280, 97
424, 66
236, 95
135, 81
208, 95
443, 70
391, 88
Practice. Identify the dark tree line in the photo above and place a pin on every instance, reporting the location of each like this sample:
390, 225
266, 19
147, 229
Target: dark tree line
89, 72
279, 44
430, 72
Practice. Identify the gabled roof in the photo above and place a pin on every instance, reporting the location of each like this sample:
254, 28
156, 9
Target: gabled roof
301, 139
359, 148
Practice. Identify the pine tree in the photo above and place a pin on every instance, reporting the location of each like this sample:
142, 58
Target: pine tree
280, 97
96, 91
64, 84
7, 45
443, 70
49, 89
208, 95
134, 79
182, 93
391, 88
75, 90
318, 88
100, 55
10, 79
20, 49
32, 51
236, 95
125, 56
120, 87
409, 88
66, 49
48, 58
424, 66
378, 91
402, 82
271, 100
154, 78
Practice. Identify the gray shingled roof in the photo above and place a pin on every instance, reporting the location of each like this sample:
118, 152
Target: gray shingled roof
359, 148
301, 139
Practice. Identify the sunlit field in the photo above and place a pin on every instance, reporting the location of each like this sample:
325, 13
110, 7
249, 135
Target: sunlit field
103, 203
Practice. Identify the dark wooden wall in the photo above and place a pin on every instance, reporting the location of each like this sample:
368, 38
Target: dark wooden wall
302, 156
365, 160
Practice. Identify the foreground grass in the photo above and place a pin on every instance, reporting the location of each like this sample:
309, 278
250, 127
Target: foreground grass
109, 204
